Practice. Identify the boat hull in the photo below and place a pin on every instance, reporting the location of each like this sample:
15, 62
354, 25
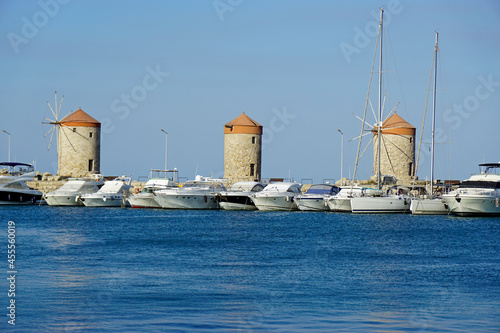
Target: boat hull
428, 207
230, 201
311, 204
473, 205
143, 200
275, 203
63, 200
196, 201
12, 197
103, 201
380, 205
340, 205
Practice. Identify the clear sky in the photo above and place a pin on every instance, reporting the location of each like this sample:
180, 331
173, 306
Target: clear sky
300, 68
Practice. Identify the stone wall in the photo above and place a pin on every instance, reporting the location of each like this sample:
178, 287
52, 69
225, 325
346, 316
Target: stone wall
240, 151
397, 156
78, 145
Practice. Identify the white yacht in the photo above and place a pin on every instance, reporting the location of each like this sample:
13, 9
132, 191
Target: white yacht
112, 194
237, 198
200, 193
157, 180
397, 200
341, 202
478, 195
13, 188
315, 197
277, 196
69, 194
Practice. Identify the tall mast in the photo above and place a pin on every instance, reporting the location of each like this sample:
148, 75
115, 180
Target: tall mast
434, 113
380, 97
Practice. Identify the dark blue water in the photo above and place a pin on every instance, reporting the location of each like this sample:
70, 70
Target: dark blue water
114, 270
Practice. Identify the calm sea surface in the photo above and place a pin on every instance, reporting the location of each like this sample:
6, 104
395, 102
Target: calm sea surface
114, 270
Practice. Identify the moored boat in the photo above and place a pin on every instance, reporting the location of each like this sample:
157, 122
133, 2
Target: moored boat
112, 194
157, 180
315, 197
69, 194
396, 200
479, 195
13, 188
277, 196
238, 196
200, 193
341, 202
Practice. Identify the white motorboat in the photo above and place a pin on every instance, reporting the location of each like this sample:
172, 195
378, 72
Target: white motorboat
479, 195
277, 196
200, 193
430, 205
237, 198
397, 200
112, 194
315, 197
69, 194
341, 202
13, 188
157, 180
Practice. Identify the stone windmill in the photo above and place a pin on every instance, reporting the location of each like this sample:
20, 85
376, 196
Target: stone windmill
78, 137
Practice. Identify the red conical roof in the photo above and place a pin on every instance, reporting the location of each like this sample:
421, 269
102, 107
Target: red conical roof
396, 125
243, 124
80, 119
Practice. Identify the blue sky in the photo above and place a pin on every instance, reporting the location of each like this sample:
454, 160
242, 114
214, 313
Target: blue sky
282, 62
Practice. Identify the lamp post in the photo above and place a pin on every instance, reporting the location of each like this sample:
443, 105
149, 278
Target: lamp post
9, 142
166, 141
341, 158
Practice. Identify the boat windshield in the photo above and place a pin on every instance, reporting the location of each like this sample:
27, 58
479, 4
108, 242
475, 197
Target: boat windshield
479, 184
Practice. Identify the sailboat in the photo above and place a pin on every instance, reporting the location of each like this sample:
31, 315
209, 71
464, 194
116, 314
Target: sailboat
398, 202
430, 205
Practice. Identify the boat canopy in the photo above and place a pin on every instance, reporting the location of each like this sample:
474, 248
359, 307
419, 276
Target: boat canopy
14, 164
323, 189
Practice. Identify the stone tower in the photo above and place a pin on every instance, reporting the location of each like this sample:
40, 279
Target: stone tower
242, 149
397, 157
79, 151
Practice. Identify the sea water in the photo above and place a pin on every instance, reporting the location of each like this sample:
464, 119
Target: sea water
131, 270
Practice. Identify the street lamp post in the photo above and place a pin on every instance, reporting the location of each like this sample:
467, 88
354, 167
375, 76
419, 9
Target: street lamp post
341, 158
166, 141
9, 142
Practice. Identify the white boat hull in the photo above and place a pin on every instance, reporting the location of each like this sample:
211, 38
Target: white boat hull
103, 201
63, 200
236, 206
274, 203
340, 204
196, 201
383, 205
424, 206
311, 204
143, 200
473, 205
